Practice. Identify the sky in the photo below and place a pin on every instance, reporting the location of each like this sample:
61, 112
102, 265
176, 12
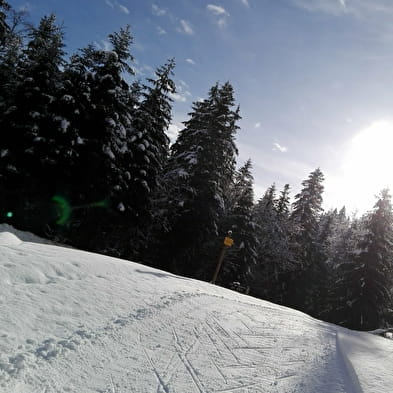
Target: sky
313, 78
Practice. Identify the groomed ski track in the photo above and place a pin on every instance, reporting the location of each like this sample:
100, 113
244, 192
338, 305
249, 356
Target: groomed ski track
72, 321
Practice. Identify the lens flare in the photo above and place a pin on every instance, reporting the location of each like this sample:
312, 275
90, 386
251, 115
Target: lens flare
64, 209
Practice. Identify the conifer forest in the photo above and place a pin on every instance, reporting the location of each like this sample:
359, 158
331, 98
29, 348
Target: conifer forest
85, 160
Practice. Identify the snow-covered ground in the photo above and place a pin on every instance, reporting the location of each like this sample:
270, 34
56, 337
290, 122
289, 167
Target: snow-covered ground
72, 321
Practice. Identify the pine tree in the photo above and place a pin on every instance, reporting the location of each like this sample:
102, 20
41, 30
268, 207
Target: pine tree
14, 31
370, 279
274, 256
148, 151
283, 202
342, 266
241, 257
305, 283
100, 113
198, 175
28, 138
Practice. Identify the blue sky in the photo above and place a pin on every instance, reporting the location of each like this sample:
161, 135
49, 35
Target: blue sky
314, 78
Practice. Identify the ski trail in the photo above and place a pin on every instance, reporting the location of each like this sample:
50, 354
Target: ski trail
154, 369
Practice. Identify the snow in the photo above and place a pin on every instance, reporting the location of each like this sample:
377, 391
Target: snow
73, 321
64, 125
141, 147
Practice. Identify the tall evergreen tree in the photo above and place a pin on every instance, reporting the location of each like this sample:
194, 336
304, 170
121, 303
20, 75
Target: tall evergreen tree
100, 113
148, 151
342, 267
28, 138
369, 281
274, 256
241, 257
305, 283
198, 175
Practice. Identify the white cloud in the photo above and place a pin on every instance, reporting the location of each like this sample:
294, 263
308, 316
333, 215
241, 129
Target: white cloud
257, 125
157, 10
123, 8
143, 70
186, 27
183, 84
182, 92
278, 147
245, 3
178, 97
217, 10
190, 61
160, 30
119, 6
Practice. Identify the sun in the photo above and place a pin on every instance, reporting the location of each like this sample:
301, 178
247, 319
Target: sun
368, 165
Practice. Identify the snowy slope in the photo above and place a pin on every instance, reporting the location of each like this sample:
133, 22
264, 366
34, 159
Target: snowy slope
73, 321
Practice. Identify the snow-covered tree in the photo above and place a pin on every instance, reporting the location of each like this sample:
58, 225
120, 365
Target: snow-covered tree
242, 256
274, 255
305, 283
368, 276
28, 140
100, 107
198, 175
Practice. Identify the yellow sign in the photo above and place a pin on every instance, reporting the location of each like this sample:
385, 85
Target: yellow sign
228, 242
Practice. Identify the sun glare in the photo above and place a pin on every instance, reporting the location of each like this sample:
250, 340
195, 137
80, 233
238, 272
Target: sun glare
368, 166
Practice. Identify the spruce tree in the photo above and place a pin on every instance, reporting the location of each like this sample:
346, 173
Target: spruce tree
370, 279
148, 150
28, 138
241, 257
198, 175
274, 256
342, 267
304, 284
100, 112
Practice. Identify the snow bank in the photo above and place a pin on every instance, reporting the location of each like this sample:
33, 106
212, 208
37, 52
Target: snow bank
371, 359
23, 236
9, 239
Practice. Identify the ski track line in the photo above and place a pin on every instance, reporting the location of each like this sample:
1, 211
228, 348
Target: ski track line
154, 369
214, 343
225, 344
188, 365
250, 385
219, 370
178, 349
247, 327
112, 384
220, 327
240, 337
50, 349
